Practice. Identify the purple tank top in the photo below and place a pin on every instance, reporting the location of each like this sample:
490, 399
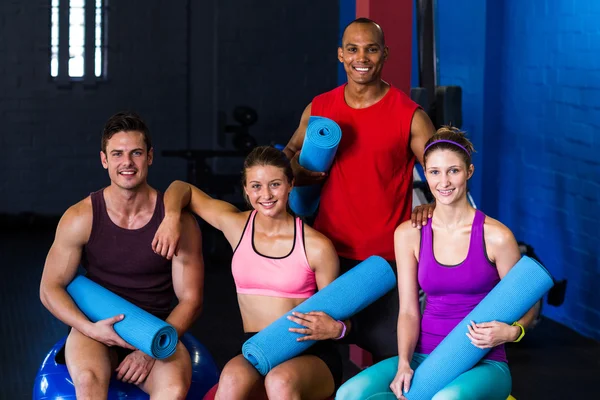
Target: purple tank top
122, 260
453, 291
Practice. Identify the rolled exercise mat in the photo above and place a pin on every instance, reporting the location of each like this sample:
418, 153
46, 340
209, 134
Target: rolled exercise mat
139, 328
342, 298
318, 150
508, 301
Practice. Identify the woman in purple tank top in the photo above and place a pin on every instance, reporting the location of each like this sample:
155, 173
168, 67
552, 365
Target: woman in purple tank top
456, 258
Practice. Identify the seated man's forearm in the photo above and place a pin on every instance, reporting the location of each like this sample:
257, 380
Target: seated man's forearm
62, 306
184, 315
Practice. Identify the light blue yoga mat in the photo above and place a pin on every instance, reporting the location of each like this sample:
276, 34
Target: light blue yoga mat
512, 297
139, 328
318, 151
341, 299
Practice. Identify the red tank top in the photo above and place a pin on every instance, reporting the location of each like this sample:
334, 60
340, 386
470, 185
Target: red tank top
369, 189
122, 260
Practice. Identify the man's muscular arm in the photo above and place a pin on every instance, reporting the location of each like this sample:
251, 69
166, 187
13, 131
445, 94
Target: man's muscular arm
188, 276
302, 175
60, 268
421, 130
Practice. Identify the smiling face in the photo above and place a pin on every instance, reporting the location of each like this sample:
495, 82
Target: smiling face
127, 159
267, 188
363, 53
447, 175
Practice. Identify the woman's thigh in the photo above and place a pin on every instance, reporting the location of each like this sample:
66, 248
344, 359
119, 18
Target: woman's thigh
373, 381
488, 380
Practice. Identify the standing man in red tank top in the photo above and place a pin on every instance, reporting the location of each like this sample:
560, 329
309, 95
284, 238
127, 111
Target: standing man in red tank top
368, 191
109, 233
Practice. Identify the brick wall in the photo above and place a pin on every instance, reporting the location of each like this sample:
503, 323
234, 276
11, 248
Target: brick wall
50, 136
540, 129
274, 58
551, 141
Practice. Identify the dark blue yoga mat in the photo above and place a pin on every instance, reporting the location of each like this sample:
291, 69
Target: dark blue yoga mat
318, 151
341, 299
512, 297
139, 328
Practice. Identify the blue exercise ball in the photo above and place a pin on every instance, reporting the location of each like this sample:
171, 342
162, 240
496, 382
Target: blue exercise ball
54, 382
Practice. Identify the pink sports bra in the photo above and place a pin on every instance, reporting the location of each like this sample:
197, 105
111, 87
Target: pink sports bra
289, 276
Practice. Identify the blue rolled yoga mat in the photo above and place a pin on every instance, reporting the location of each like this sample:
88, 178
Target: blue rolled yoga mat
341, 299
139, 328
318, 150
508, 301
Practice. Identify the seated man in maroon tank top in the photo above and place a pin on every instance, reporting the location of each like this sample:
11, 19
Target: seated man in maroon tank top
368, 191
109, 233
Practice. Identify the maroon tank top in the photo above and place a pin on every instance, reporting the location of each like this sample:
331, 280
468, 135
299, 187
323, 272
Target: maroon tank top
122, 260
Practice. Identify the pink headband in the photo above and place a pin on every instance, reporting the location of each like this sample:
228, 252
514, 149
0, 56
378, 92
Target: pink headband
446, 141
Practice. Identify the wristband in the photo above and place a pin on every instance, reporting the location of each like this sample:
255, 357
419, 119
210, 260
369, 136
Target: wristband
522, 331
343, 330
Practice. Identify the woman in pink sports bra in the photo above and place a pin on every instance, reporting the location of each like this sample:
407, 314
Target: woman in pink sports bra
278, 262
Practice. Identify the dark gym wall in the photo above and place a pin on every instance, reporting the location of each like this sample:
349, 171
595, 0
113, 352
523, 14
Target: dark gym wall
532, 106
273, 56
49, 157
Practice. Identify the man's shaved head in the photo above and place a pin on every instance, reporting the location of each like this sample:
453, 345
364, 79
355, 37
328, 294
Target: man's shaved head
366, 21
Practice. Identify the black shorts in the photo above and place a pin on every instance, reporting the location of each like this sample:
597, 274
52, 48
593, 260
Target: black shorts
121, 353
375, 328
326, 351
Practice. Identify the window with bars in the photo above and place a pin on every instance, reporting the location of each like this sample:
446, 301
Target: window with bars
77, 45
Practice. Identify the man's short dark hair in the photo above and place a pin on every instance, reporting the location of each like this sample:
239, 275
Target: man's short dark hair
125, 121
363, 20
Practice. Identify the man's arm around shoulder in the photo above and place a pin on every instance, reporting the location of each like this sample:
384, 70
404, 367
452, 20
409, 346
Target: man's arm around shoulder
421, 130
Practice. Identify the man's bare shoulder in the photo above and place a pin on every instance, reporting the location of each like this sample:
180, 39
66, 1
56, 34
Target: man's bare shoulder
76, 222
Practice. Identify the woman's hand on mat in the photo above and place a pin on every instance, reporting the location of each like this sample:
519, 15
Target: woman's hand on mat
103, 331
317, 326
167, 237
401, 383
303, 176
491, 334
421, 214
135, 367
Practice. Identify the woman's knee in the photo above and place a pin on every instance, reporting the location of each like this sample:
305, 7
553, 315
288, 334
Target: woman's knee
374, 380
281, 382
234, 381
356, 388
